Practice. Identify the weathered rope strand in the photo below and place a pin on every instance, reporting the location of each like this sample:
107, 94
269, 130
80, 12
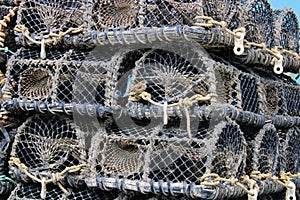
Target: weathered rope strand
4, 23
55, 178
184, 103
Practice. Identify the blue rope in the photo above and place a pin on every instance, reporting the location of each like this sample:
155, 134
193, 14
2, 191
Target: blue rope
127, 88
5, 178
6, 50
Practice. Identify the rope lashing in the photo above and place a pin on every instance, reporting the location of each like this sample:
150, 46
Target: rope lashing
51, 38
55, 178
183, 103
241, 43
4, 23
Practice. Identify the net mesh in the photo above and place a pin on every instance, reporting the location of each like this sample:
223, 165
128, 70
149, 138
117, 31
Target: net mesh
292, 151
52, 19
292, 96
286, 29
43, 17
145, 147
257, 18
33, 192
222, 10
167, 76
249, 93
6, 184
4, 149
133, 155
60, 78
46, 146
229, 92
271, 97
266, 145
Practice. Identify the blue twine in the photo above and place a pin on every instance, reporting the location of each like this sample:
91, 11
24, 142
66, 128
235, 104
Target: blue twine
127, 88
5, 178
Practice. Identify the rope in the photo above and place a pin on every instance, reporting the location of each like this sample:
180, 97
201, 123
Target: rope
276, 52
2, 78
215, 180
55, 178
183, 103
249, 184
5, 178
6, 50
51, 38
4, 23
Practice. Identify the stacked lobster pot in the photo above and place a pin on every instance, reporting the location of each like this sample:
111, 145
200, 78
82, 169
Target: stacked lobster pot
127, 99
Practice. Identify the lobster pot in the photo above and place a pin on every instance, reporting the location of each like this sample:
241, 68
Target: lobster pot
117, 156
240, 89
53, 20
288, 157
292, 152
228, 86
38, 19
256, 16
128, 14
64, 77
286, 29
168, 76
279, 97
250, 92
46, 145
272, 101
265, 150
166, 153
225, 10
33, 191
291, 94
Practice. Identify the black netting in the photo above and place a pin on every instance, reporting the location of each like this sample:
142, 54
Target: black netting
230, 152
257, 18
286, 29
250, 133
292, 151
292, 99
249, 93
272, 99
6, 183
226, 10
227, 86
5, 140
266, 150
283, 145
